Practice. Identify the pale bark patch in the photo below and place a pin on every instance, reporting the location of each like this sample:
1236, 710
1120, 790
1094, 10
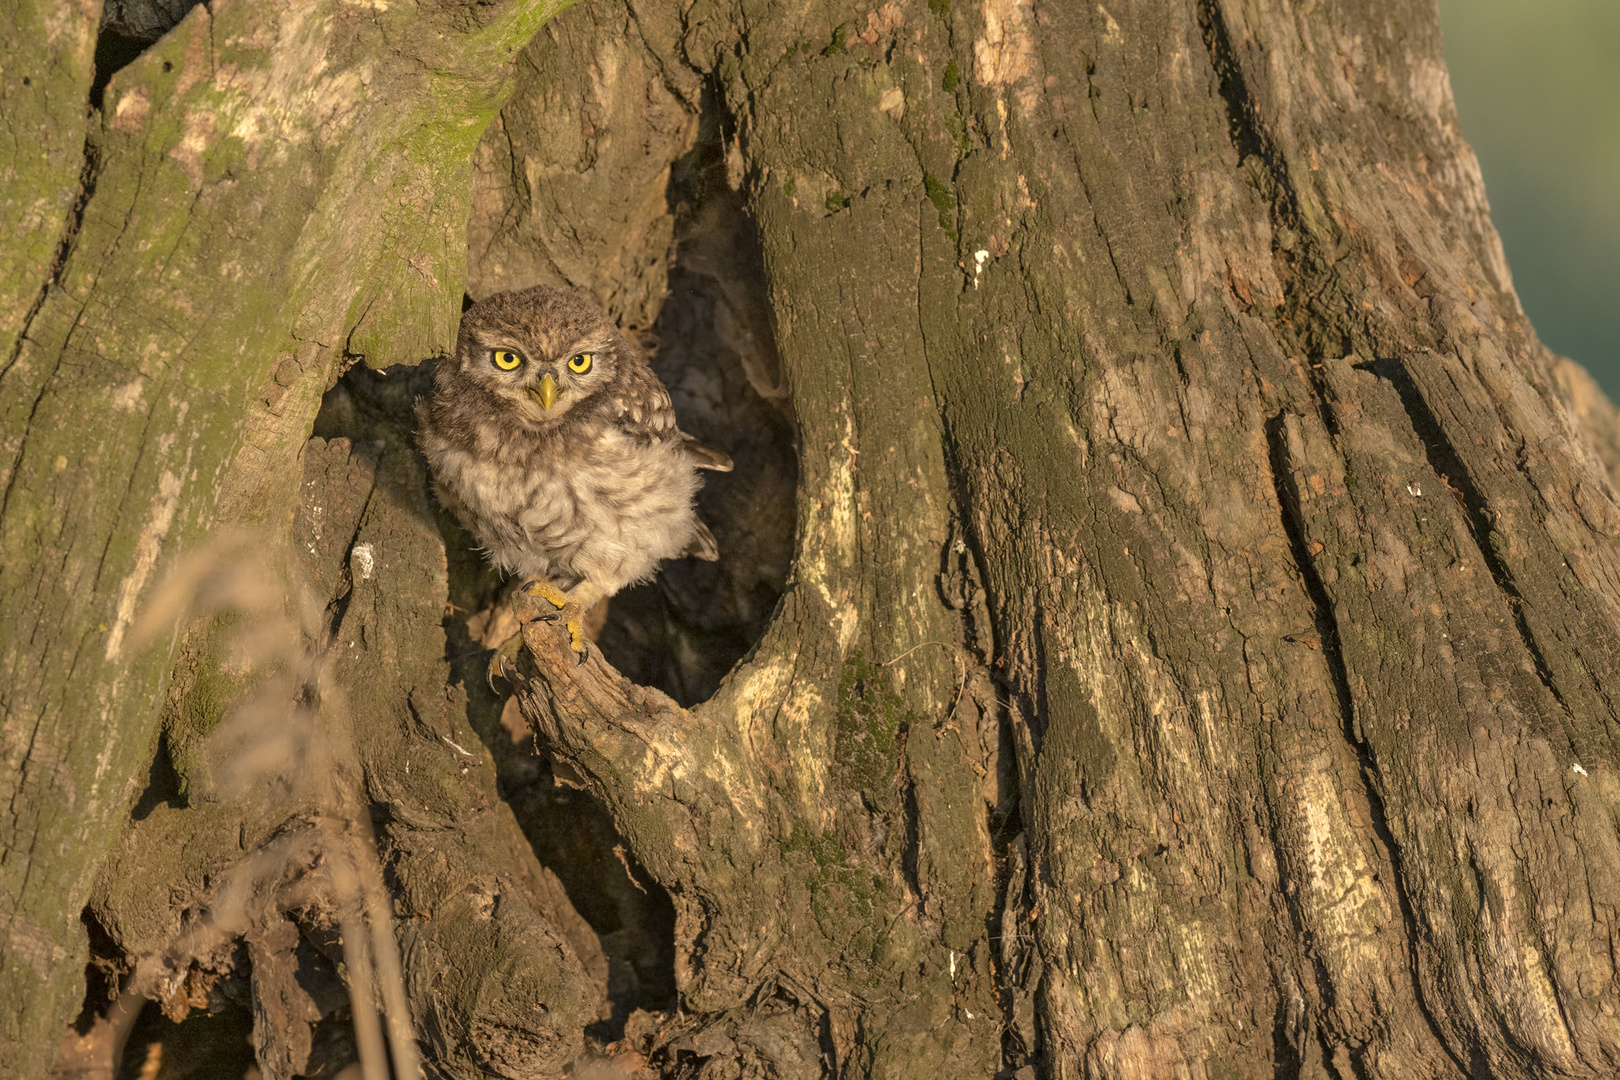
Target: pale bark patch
128, 398
33, 946
147, 547
132, 110
297, 98
883, 22
1005, 53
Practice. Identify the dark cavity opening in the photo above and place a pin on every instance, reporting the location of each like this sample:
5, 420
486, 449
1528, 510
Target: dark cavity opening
162, 784
205, 1043
114, 52
127, 28
716, 351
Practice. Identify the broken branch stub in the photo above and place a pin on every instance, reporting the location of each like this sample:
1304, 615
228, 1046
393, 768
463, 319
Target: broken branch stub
683, 794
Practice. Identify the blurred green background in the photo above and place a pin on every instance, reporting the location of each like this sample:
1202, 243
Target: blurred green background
1537, 84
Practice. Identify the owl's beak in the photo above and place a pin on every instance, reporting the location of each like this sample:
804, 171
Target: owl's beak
546, 392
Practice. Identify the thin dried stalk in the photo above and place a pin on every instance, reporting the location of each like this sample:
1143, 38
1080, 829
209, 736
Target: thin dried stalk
357, 945
289, 741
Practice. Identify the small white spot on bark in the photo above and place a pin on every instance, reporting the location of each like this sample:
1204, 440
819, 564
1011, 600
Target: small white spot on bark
1415, 490
979, 259
364, 560
1576, 768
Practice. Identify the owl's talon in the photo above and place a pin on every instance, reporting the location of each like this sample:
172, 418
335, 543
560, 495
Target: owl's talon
503, 664
577, 639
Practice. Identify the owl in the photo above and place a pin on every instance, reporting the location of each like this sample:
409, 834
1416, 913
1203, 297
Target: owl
553, 442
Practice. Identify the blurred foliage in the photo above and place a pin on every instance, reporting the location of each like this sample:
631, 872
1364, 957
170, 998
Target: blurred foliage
1537, 84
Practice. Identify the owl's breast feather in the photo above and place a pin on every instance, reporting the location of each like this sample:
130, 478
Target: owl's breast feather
606, 509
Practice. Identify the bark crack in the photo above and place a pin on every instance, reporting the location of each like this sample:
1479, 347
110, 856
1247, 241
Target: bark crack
89, 168
1248, 136
1295, 250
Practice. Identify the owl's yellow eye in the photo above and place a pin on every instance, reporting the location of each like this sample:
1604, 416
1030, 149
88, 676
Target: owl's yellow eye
580, 364
507, 360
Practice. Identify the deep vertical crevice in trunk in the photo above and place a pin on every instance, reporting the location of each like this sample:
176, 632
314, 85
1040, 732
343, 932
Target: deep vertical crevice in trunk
1244, 125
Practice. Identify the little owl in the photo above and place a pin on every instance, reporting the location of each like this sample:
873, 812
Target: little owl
553, 442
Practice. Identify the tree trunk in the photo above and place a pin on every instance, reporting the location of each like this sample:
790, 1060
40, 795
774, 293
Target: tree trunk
1196, 657
263, 194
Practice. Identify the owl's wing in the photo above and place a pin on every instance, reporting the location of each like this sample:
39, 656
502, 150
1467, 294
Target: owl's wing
643, 406
705, 457
645, 410
703, 545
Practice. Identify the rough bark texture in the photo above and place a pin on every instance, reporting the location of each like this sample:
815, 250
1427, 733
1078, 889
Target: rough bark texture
262, 192
1197, 652
1168, 422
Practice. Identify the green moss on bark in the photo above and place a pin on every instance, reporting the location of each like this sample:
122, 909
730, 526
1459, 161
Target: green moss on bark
258, 168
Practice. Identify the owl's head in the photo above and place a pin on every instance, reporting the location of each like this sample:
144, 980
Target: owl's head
542, 351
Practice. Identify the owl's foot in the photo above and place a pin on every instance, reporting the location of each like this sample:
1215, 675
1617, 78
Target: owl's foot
570, 611
548, 592
534, 601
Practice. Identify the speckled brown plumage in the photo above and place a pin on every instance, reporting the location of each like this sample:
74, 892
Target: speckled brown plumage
590, 490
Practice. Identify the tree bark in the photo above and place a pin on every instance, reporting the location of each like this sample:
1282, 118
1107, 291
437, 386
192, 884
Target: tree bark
264, 192
1197, 653
1167, 425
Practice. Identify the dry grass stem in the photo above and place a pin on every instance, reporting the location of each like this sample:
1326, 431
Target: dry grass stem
285, 750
